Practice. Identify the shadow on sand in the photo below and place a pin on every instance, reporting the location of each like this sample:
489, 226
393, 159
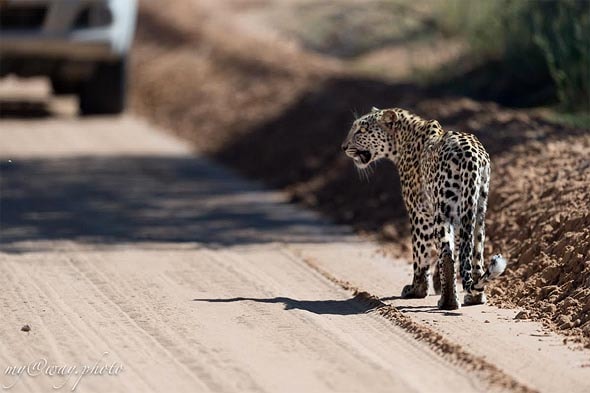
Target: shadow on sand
354, 305
106, 200
24, 109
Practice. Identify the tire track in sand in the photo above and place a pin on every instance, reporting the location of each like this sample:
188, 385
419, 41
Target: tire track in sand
444, 347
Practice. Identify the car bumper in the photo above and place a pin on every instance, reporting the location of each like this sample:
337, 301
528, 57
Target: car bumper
73, 46
61, 32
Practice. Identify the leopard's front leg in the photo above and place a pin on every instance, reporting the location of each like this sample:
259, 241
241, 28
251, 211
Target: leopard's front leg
422, 231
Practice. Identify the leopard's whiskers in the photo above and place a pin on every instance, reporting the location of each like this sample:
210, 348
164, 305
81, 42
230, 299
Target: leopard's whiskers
365, 173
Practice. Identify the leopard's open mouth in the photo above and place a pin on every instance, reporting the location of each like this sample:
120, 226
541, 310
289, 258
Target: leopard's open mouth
364, 156
360, 157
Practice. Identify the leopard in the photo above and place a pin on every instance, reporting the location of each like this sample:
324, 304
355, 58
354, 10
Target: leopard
445, 179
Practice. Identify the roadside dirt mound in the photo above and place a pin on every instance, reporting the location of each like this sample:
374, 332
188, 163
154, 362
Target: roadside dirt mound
540, 215
277, 113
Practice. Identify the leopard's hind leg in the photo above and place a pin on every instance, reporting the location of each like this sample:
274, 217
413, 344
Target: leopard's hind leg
477, 295
449, 299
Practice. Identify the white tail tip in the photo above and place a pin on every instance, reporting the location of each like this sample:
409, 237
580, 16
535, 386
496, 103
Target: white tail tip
497, 266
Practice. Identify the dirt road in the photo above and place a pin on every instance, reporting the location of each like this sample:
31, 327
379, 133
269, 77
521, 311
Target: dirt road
121, 248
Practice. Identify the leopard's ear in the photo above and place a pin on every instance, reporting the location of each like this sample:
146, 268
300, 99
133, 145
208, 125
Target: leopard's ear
433, 125
388, 118
375, 109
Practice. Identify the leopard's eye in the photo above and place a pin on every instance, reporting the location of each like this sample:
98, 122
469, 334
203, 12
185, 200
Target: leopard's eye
363, 129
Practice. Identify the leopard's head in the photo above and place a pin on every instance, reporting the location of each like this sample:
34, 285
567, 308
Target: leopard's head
371, 137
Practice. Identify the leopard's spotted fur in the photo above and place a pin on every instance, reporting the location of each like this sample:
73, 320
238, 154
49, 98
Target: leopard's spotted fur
445, 182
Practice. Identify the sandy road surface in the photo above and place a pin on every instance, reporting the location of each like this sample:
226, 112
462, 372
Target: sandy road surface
117, 240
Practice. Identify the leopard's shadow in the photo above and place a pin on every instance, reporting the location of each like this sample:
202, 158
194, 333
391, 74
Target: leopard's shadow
420, 308
352, 306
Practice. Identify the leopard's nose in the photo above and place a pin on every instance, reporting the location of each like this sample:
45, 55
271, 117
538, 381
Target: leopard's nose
344, 146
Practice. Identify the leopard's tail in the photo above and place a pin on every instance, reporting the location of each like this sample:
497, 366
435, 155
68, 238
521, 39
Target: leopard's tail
495, 268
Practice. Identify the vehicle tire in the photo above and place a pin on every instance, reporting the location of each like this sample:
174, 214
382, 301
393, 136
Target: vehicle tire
104, 92
61, 86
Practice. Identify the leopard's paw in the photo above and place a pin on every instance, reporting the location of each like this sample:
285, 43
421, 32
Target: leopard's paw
449, 303
474, 299
414, 292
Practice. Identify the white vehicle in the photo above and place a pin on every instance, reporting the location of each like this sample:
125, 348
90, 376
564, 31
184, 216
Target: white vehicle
81, 45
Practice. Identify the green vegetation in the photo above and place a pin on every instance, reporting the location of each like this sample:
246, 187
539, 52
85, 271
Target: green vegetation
531, 38
578, 120
519, 53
